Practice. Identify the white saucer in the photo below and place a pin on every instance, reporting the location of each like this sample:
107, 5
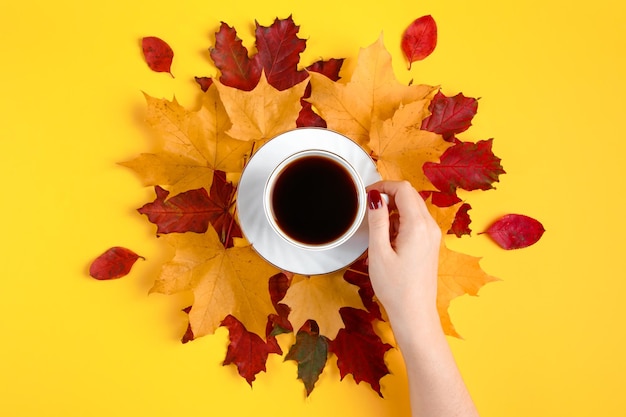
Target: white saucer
255, 221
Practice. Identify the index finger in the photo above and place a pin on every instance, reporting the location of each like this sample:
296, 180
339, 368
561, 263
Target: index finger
405, 198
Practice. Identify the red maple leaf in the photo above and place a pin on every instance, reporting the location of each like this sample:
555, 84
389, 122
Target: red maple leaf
158, 54
419, 39
278, 286
231, 58
115, 262
307, 117
247, 350
460, 225
193, 210
466, 165
310, 352
515, 231
358, 274
279, 50
450, 115
359, 350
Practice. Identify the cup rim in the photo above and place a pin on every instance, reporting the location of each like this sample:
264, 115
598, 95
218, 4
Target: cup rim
356, 179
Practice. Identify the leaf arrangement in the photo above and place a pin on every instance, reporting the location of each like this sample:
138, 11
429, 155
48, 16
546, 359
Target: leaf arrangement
409, 131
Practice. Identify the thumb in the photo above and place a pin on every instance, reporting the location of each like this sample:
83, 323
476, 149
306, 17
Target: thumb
378, 222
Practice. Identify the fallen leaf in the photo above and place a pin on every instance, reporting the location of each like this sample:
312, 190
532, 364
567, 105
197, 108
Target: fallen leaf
310, 351
191, 145
279, 50
246, 350
419, 39
231, 58
358, 274
462, 221
204, 82
319, 298
263, 113
372, 92
359, 350
400, 148
466, 165
450, 115
115, 262
515, 231
158, 54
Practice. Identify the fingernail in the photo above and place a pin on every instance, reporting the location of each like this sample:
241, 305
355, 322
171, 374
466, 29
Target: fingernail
374, 199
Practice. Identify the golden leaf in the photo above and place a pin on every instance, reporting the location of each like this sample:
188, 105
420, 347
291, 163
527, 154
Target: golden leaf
192, 144
320, 297
401, 148
262, 113
372, 92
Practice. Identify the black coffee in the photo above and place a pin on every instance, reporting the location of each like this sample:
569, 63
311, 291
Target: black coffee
314, 200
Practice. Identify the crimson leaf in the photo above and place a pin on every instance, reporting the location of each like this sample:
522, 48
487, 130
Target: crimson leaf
460, 225
158, 54
115, 262
450, 115
231, 58
515, 231
419, 39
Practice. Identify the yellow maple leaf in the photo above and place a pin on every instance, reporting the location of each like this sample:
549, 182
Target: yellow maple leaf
262, 113
459, 274
372, 92
401, 148
190, 146
320, 297
223, 281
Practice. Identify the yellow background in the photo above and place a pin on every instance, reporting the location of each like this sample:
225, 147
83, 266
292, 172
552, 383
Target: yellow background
548, 340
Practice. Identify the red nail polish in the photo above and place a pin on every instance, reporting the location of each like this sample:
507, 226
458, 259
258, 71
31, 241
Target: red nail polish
374, 200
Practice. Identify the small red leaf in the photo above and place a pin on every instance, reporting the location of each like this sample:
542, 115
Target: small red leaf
278, 286
359, 350
419, 39
279, 50
466, 165
115, 262
231, 58
310, 352
515, 231
461, 223
204, 82
450, 115
247, 350
329, 68
158, 54
358, 274
441, 199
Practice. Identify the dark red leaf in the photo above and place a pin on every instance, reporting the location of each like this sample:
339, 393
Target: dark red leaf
188, 336
419, 39
466, 165
247, 350
461, 223
193, 210
204, 82
310, 352
450, 115
231, 58
441, 199
279, 50
358, 274
278, 286
515, 231
308, 118
329, 68
115, 262
359, 350
158, 54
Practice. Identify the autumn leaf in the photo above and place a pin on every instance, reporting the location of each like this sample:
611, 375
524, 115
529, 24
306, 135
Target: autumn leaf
279, 50
246, 350
372, 92
515, 231
223, 281
419, 39
319, 298
158, 54
278, 286
115, 262
461, 223
308, 117
263, 113
310, 351
204, 82
191, 145
359, 350
358, 274
466, 165
400, 148
450, 115
459, 274
442, 199
229, 55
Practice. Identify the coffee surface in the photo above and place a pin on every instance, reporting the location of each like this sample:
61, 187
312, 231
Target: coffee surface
314, 200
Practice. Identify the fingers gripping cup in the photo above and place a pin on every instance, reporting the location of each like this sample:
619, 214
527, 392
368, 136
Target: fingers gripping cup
302, 202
